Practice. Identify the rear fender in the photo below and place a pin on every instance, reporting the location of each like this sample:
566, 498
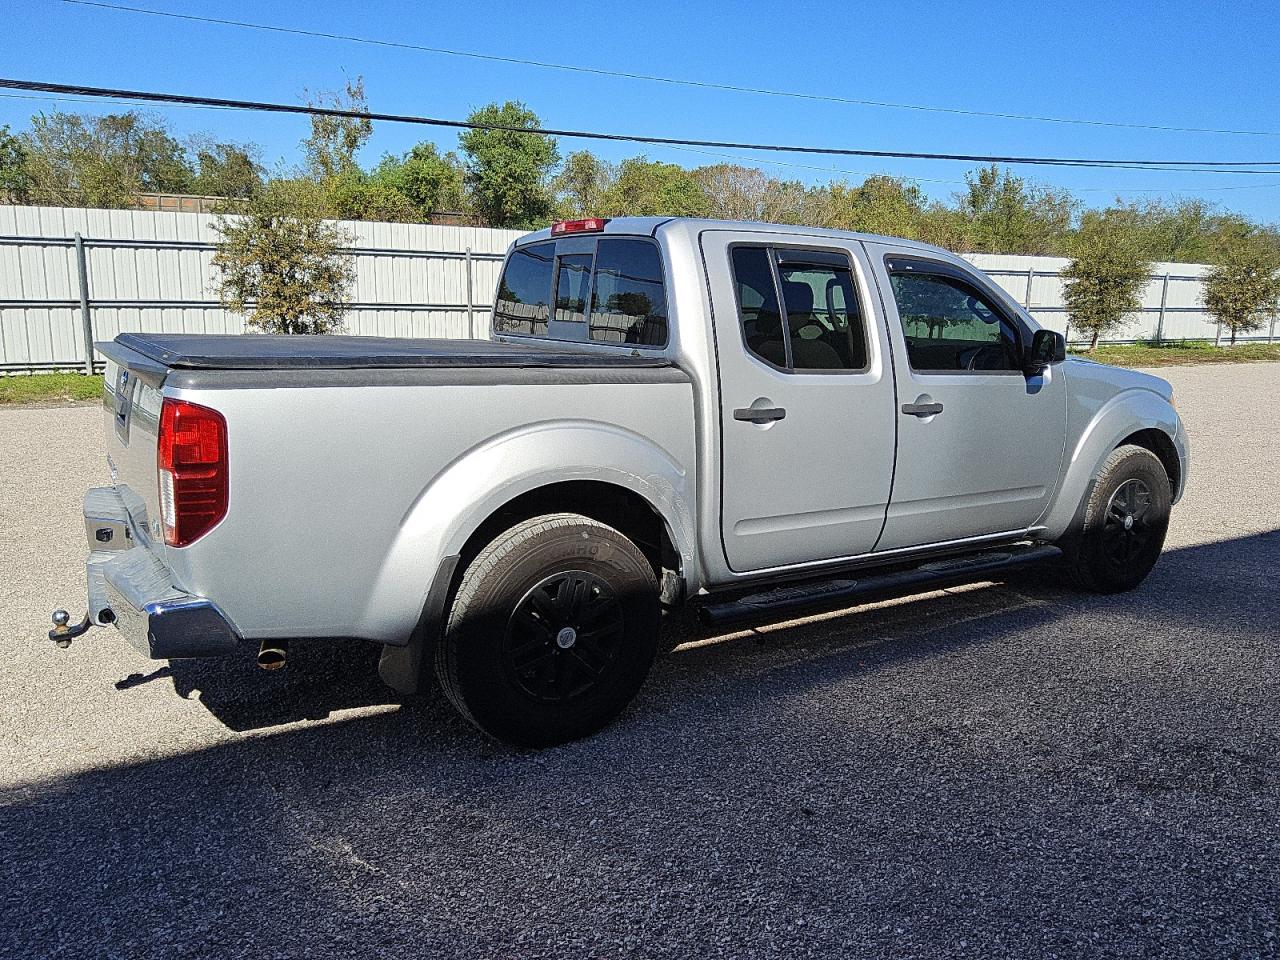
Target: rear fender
468, 491
1123, 415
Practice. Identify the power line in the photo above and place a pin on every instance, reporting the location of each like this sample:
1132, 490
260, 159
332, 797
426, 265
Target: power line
655, 78
961, 183
723, 156
1185, 166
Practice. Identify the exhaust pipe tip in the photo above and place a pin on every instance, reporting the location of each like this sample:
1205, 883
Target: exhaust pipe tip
273, 654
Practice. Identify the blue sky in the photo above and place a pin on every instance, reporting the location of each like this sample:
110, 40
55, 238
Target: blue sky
1179, 63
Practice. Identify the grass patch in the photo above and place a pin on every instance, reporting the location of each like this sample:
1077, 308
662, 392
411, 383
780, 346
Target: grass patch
49, 388
1181, 353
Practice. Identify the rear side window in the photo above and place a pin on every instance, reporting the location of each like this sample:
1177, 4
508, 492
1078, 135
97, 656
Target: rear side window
629, 304
819, 325
608, 290
758, 305
524, 293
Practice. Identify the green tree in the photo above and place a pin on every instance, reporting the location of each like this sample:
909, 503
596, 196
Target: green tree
225, 170
645, 188
508, 172
281, 265
880, 204
1104, 281
15, 178
735, 192
1005, 214
580, 186
432, 183
103, 161
1242, 288
359, 196
331, 149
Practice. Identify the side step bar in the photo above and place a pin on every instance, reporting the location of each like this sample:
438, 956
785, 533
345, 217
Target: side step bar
814, 595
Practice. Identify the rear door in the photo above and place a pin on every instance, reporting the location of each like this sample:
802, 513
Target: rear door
980, 443
807, 399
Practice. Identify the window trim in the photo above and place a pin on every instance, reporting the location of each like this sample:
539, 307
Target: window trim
772, 250
584, 244
941, 268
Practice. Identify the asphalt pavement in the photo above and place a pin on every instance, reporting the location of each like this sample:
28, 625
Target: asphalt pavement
1010, 770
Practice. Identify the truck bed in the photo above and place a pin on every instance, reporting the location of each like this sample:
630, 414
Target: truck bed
266, 352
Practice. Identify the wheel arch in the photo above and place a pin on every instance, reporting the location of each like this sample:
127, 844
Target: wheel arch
600, 470
1137, 416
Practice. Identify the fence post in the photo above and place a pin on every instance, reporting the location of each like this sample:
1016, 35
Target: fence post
1026, 300
1164, 298
86, 318
471, 313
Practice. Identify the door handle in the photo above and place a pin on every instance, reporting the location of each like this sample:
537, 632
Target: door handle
759, 414
921, 409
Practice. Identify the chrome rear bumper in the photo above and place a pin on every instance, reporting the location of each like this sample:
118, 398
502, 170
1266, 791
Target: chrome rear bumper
130, 587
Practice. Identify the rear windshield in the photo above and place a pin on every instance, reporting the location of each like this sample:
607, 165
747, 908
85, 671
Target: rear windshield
606, 289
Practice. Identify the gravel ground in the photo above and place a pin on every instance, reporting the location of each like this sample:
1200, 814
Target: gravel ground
1012, 770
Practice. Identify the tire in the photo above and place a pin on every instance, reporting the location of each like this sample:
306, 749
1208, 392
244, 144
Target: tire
1125, 520
552, 631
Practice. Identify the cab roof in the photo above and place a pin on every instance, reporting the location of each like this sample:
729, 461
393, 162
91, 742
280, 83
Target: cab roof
650, 226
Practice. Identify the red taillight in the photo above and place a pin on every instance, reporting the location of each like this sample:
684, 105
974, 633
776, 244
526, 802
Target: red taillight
589, 225
192, 462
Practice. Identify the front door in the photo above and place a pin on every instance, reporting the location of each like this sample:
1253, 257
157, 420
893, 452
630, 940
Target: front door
806, 396
980, 442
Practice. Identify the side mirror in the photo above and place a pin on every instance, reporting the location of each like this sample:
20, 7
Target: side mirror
1047, 346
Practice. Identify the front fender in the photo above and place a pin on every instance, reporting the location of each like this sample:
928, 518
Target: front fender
1121, 416
475, 485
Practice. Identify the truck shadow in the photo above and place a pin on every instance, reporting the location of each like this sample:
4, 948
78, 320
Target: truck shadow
993, 757
325, 677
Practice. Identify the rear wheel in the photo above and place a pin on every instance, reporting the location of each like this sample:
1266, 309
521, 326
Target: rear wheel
552, 631
1125, 522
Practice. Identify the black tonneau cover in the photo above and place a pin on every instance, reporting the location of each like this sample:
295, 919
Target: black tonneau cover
192, 351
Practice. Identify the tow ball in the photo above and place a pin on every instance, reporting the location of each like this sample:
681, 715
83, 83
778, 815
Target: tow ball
64, 632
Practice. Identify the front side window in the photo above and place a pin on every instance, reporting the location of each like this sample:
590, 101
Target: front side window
629, 300
524, 293
950, 325
823, 328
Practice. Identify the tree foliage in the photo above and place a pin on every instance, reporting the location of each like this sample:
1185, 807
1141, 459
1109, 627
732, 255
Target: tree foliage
431, 182
1103, 283
645, 188
330, 151
281, 265
580, 187
1003, 212
1242, 288
513, 177
508, 173
225, 170
15, 178
104, 161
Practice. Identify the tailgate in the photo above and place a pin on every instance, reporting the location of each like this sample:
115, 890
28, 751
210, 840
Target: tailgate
132, 412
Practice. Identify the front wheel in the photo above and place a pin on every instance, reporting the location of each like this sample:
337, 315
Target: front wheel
552, 631
1125, 521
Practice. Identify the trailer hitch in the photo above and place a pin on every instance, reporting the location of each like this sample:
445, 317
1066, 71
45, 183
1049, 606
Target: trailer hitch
64, 632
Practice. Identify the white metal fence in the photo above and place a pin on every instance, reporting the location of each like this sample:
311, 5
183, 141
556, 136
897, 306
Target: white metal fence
71, 276
1172, 303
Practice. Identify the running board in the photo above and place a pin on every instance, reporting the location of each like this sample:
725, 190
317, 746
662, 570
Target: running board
814, 595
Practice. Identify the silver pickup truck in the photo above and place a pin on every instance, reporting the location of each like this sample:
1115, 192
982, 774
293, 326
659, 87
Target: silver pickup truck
751, 419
